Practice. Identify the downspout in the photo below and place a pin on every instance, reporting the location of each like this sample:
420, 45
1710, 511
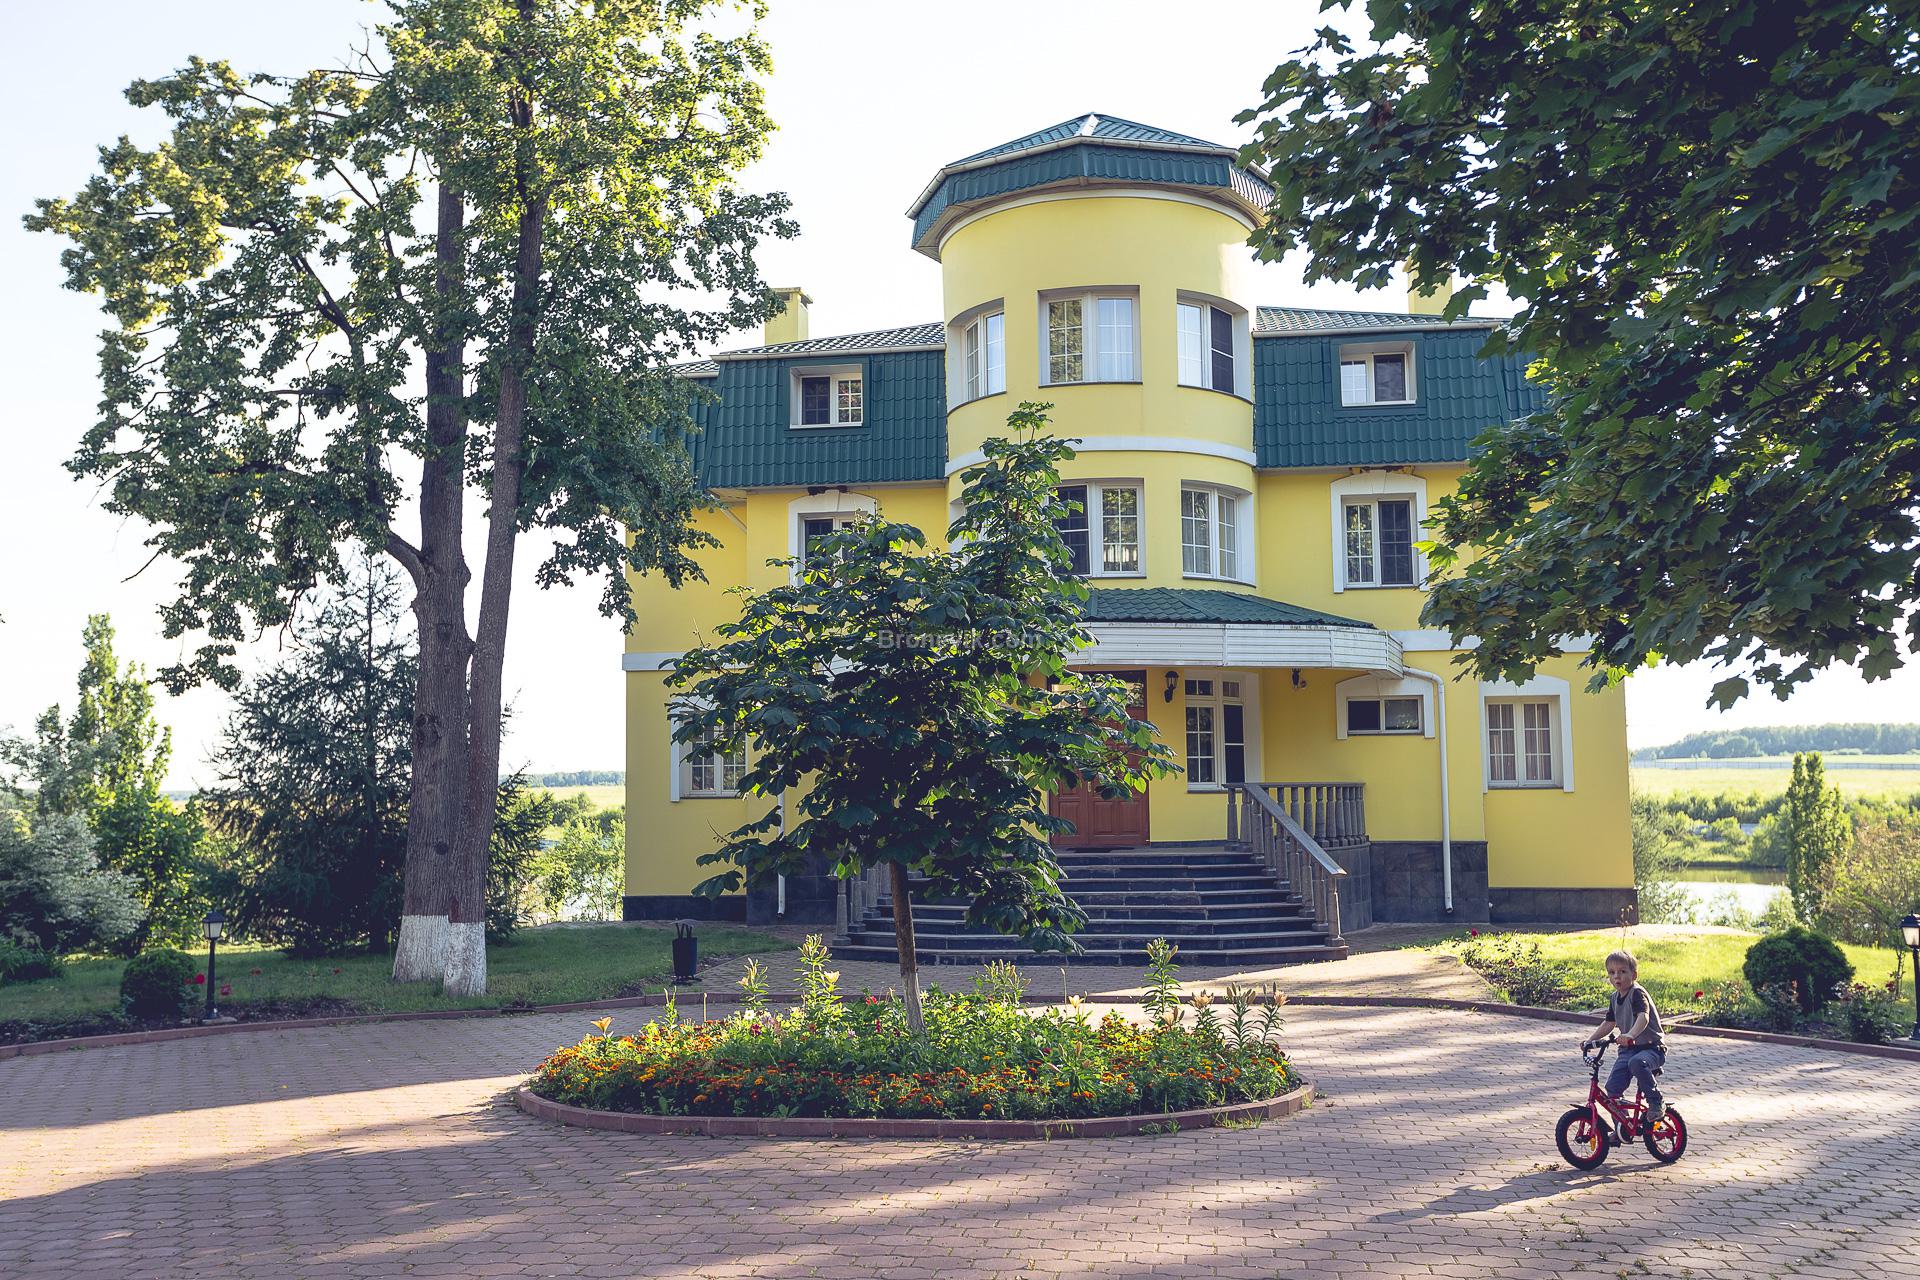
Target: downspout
780, 904
1446, 796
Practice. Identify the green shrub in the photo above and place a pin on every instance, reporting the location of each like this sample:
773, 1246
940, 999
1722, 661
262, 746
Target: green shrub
25, 964
1781, 1000
1523, 972
155, 985
1722, 1003
1870, 1015
1799, 956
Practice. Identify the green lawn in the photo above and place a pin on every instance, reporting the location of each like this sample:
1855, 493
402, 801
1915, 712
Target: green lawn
540, 966
1674, 966
1738, 777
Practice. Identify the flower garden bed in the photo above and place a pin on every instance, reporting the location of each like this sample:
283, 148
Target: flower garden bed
982, 1058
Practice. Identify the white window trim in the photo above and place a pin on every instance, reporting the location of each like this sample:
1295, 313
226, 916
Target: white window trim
840, 507
1250, 723
1372, 688
957, 330
1351, 352
1539, 689
1243, 529
1242, 343
679, 757
1095, 534
1376, 485
1089, 333
837, 373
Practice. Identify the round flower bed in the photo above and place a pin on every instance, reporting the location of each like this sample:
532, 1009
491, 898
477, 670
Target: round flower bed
982, 1057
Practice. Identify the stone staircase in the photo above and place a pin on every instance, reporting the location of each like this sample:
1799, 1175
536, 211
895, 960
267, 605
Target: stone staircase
1219, 906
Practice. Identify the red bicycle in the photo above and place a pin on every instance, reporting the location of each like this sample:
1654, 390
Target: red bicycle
1585, 1136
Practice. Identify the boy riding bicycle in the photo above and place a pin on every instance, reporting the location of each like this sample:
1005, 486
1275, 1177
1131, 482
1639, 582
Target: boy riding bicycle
1642, 1046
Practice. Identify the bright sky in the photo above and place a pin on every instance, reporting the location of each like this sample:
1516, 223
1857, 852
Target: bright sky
870, 97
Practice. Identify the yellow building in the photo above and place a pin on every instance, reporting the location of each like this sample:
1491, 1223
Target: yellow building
1255, 481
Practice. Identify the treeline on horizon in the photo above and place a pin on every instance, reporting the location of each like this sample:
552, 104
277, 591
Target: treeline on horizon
578, 778
1785, 740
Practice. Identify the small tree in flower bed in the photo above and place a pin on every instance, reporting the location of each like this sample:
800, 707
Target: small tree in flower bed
983, 1057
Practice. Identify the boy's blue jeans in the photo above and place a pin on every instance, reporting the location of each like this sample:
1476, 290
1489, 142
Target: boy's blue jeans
1637, 1064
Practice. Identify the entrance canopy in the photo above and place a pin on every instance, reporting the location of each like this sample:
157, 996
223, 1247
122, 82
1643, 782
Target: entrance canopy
1173, 626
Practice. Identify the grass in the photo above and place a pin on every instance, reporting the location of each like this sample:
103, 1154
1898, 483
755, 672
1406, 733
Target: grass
600, 797
540, 966
1675, 965
1737, 778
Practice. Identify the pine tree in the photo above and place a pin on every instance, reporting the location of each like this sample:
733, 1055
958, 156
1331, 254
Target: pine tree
1819, 831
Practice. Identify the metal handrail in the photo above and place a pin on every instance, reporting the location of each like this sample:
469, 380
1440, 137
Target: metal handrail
1288, 851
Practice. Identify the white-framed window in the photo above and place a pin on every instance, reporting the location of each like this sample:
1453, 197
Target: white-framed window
1527, 734
1103, 535
1378, 542
1212, 341
1376, 373
1089, 337
813, 516
705, 771
1217, 737
1214, 540
1376, 525
1375, 705
829, 397
980, 366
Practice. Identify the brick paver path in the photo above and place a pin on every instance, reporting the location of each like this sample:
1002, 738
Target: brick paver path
389, 1150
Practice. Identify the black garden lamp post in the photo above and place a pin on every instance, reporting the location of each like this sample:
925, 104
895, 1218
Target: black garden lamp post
1910, 934
686, 952
213, 926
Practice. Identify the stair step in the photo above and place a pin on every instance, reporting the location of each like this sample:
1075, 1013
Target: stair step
1111, 956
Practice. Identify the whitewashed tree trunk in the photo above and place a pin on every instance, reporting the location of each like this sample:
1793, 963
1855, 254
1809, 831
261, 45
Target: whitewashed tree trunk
420, 955
466, 966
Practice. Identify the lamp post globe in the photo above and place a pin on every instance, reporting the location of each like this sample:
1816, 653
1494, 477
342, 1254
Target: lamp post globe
213, 927
1910, 934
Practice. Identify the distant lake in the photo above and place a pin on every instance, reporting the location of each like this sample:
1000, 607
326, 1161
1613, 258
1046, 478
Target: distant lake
1751, 888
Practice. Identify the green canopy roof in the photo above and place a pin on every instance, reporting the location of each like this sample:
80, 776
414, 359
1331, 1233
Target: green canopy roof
1199, 604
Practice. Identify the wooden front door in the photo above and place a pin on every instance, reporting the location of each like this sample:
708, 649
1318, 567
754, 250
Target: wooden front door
1100, 823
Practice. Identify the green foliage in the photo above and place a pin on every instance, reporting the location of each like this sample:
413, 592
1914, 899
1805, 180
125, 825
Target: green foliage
1782, 1003
26, 964
1001, 982
513, 854
1800, 958
154, 985
1818, 832
270, 270
314, 769
1161, 998
1709, 215
1872, 738
54, 894
1870, 1015
1522, 971
1658, 836
581, 874
577, 778
914, 705
982, 1057
1722, 1003
1866, 889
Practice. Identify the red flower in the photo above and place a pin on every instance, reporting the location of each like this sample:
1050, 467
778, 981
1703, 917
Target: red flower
254, 972
1473, 933
1699, 995
199, 979
226, 988
336, 971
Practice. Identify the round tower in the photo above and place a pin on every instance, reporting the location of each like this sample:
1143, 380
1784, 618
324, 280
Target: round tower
1101, 266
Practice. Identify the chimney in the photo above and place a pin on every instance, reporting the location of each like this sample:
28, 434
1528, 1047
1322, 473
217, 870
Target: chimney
790, 324
1431, 303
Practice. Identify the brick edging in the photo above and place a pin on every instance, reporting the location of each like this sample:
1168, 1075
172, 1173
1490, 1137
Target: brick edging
862, 1127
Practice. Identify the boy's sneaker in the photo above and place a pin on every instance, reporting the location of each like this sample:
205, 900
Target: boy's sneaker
1656, 1113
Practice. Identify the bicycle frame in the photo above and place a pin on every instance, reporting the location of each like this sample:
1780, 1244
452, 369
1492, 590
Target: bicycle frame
1627, 1116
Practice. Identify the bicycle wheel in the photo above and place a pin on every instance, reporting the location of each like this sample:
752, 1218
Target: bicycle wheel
1667, 1141
1583, 1144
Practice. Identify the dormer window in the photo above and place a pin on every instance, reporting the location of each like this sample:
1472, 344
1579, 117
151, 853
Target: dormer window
1376, 373
1089, 337
833, 397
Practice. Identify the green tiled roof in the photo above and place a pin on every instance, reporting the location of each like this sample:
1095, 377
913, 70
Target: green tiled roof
1200, 604
1298, 420
930, 335
1089, 150
1279, 320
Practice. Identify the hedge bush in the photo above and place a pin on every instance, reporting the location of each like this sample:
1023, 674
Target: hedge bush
25, 964
1814, 963
155, 984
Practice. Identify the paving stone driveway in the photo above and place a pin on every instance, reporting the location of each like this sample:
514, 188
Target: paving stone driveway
389, 1150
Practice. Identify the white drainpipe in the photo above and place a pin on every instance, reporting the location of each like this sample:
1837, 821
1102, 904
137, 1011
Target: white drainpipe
1446, 798
780, 906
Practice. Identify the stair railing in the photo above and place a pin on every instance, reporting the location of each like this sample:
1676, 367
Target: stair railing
1333, 813
855, 898
1287, 849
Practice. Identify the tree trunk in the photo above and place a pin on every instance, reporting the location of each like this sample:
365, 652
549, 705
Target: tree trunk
440, 612
466, 971
903, 941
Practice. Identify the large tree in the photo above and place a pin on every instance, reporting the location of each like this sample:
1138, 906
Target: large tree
1709, 214
470, 247
911, 708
